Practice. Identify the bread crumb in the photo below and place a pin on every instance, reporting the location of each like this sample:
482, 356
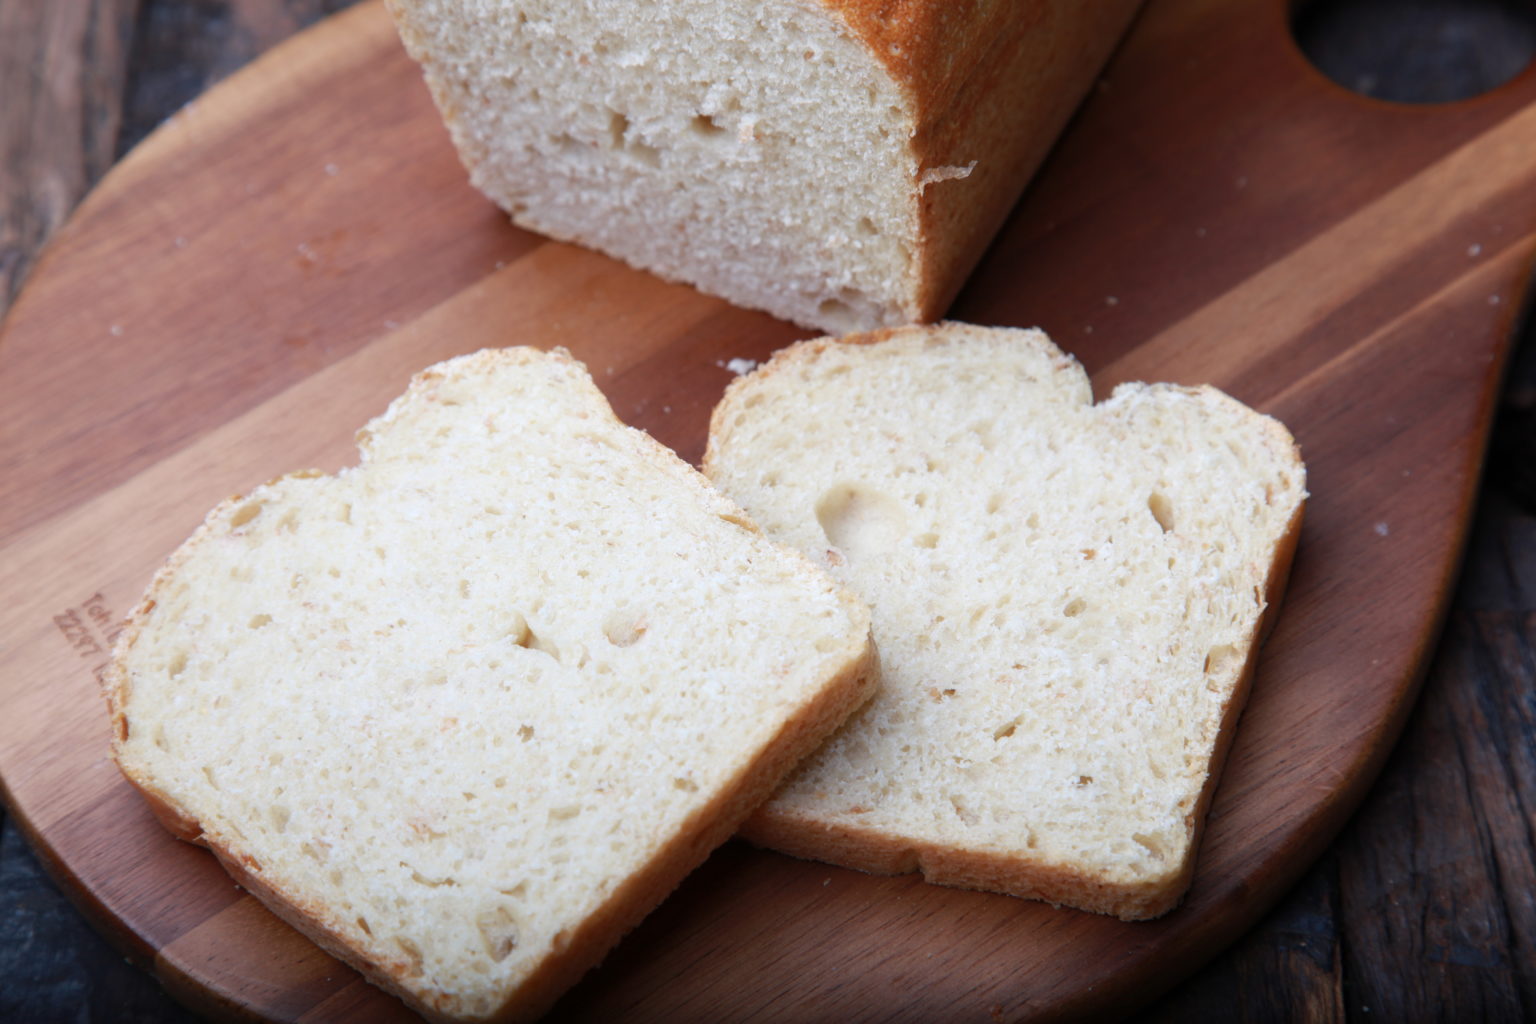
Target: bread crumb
740, 367
950, 172
1382, 529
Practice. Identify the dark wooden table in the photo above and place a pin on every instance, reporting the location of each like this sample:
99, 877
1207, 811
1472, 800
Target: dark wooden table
1423, 909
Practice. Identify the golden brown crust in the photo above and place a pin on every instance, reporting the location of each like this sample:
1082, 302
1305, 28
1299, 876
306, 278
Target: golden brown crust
991, 83
1012, 874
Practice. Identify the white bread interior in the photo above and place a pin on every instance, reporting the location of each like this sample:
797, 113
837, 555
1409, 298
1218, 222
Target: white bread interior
465, 712
1068, 600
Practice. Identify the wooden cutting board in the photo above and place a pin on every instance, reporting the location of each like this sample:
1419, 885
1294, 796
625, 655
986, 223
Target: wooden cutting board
265, 272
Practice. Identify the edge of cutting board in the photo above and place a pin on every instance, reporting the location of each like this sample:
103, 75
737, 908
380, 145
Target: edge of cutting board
262, 275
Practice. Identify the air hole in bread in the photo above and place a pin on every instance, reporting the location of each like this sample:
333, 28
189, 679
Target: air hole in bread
362, 922
1162, 510
1151, 844
1218, 660
705, 126
244, 514
160, 738
412, 954
524, 733
625, 626
178, 664
867, 226
1005, 730
257, 621
860, 521
535, 642
279, 815
836, 312
621, 136
927, 540
498, 930
432, 883
618, 129
515, 628
565, 813
686, 785
1074, 607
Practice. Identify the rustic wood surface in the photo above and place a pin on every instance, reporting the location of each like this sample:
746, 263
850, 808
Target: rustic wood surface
1423, 908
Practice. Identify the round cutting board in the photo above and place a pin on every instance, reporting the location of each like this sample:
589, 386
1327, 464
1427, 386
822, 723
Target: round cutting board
265, 272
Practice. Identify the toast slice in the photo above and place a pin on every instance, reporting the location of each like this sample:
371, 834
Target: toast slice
1068, 599
465, 712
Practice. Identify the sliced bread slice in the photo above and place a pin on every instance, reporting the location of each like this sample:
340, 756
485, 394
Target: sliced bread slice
467, 711
1067, 599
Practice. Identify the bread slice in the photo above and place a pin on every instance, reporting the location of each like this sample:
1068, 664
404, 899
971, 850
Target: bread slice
1067, 599
838, 163
465, 712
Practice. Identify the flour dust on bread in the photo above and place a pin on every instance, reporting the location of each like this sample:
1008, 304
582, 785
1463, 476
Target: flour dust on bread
465, 712
1067, 599
837, 163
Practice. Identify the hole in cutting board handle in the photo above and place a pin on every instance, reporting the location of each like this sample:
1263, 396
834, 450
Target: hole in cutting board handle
1417, 51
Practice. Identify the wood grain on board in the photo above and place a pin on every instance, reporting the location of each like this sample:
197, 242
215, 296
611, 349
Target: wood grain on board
262, 275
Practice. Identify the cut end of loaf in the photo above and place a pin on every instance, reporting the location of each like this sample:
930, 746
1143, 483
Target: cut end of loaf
465, 712
1067, 598
769, 160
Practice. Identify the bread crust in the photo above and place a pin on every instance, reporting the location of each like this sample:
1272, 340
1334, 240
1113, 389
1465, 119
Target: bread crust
992, 84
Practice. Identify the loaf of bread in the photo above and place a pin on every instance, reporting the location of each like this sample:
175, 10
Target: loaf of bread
838, 163
467, 711
1068, 600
